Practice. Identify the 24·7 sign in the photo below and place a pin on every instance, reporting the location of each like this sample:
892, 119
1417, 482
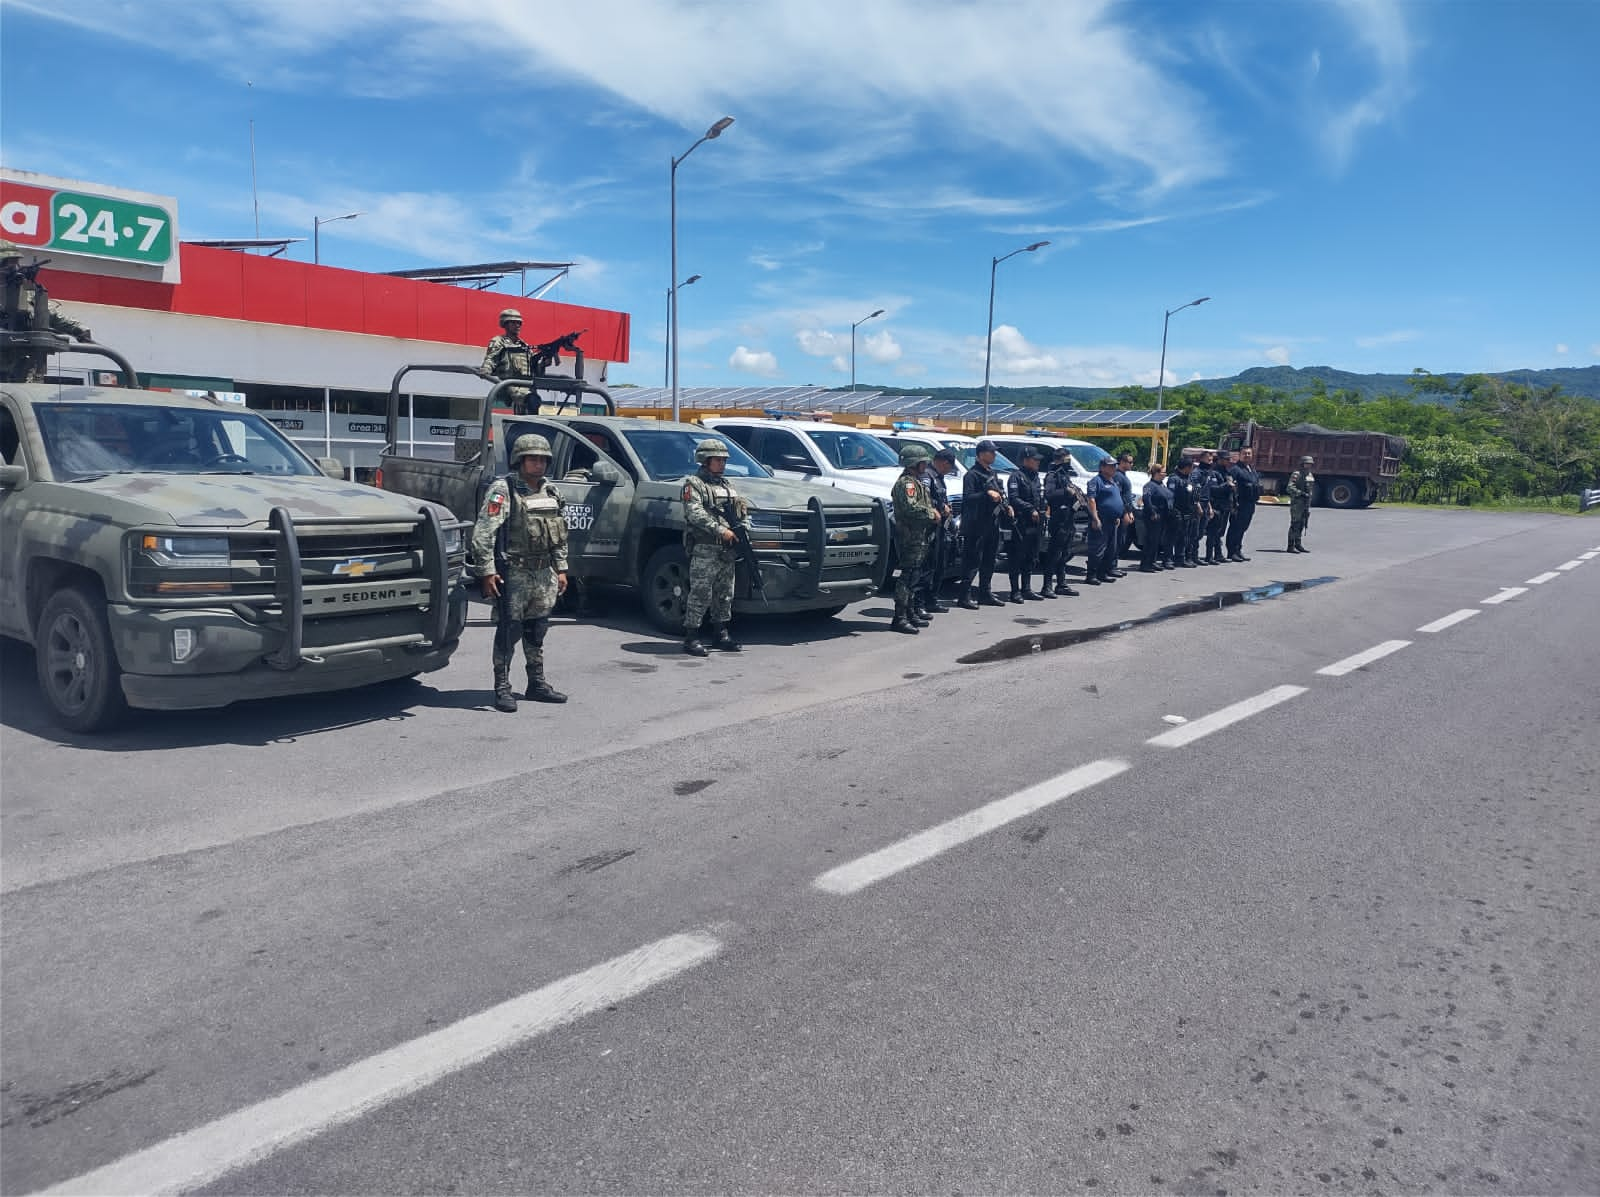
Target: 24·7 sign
94, 225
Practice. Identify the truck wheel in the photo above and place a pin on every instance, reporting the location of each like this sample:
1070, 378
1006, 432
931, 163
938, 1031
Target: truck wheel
664, 588
1343, 492
76, 664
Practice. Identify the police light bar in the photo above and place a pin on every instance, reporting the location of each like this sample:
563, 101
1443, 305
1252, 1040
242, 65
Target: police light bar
903, 425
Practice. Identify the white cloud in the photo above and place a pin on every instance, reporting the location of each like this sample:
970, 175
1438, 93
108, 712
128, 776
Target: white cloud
882, 348
911, 370
1398, 337
1278, 355
1561, 349
765, 262
1015, 354
1594, 350
819, 342
840, 365
753, 361
1380, 25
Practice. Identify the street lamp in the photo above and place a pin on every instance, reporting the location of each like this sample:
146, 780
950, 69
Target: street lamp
711, 134
666, 357
316, 231
1161, 383
853, 328
988, 344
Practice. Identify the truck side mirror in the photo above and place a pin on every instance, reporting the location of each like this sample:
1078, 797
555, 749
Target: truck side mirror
605, 473
11, 476
332, 467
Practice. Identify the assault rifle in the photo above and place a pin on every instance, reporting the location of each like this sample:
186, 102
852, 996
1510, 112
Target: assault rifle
548, 354
746, 552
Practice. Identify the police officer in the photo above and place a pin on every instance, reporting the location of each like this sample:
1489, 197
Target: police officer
1026, 495
1104, 496
509, 356
1061, 494
1203, 479
1179, 541
1301, 490
916, 523
925, 598
1222, 491
1155, 515
528, 572
1247, 493
712, 510
1129, 511
983, 503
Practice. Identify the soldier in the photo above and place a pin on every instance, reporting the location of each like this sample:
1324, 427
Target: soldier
1245, 497
1223, 487
916, 523
1026, 496
1301, 488
1062, 495
525, 570
1156, 515
509, 356
1178, 543
925, 599
982, 503
711, 510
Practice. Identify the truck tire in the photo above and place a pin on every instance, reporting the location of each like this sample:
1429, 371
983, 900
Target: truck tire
1343, 492
664, 588
76, 663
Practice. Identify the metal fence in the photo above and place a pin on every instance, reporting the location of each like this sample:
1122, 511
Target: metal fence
1589, 498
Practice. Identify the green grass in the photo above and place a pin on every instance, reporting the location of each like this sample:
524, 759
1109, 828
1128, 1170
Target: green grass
1559, 505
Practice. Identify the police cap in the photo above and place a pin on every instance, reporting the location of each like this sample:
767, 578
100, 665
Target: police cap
987, 446
1030, 453
945, 455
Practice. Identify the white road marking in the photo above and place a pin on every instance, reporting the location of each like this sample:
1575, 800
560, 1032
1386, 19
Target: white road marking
246, 1136
1590, 555
1507, 593
1548, 576
1174, 719
1449, 621
1217, 720
1566, 565
1350, 664
925, 845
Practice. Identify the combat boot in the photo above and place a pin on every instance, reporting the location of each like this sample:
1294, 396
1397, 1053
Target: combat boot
723, 640
540, 690
934, 607
692, 645
1028, 593
1048, 590
505, 698
988, 599
966, 602
900, 623
916, 618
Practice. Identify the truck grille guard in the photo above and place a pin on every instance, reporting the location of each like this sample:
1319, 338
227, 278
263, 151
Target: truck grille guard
289, 585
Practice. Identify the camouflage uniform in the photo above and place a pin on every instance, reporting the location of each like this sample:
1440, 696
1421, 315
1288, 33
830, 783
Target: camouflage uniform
710, 504
509, 356
1302, 485
916, 522
535, 552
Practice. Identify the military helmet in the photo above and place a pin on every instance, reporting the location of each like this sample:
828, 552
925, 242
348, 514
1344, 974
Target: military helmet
510, 314
532, 445
709, 448
915, 453
1308, 461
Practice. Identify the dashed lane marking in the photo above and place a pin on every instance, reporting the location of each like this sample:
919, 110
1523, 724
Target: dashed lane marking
1548, 576
1566, 565
246, 1136
913, 850
1226, 717
1590, 555
1449, 621
1350, 664
1507, 593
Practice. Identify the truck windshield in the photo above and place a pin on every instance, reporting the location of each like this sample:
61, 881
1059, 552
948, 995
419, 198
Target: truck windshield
86, 440
854, 450
668, 453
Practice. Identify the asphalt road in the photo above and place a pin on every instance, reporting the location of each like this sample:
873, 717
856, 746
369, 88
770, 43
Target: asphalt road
1165, 910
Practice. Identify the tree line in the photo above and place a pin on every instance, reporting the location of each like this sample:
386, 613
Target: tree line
1476, 438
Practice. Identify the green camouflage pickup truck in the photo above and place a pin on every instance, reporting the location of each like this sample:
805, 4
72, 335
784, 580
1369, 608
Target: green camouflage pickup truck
622, 481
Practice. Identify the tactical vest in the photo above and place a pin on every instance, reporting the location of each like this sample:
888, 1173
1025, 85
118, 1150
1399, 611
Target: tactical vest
725, 502
516, 359
534, 527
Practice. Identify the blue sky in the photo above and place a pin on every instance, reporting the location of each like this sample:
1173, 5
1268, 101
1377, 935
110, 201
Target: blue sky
1364, 184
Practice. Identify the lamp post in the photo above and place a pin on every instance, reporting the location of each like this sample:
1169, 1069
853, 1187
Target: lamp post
316, 231
853, 328
988, 343
711, 134
1161, 383
666, 357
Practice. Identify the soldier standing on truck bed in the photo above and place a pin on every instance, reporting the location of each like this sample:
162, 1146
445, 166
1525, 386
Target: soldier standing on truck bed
1301, 487
509, 356
526, 571
711, 512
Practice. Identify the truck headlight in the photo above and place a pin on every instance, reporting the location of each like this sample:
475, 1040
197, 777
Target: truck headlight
454, 541
186, 552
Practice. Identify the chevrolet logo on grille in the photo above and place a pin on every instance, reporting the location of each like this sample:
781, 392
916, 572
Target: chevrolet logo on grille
356, 567
838, 537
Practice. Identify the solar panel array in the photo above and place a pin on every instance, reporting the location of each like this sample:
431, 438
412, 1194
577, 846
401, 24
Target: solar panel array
807, 400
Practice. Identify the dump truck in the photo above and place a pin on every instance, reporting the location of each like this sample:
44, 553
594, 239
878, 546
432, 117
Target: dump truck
1353, 469
170, 551
621, 481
